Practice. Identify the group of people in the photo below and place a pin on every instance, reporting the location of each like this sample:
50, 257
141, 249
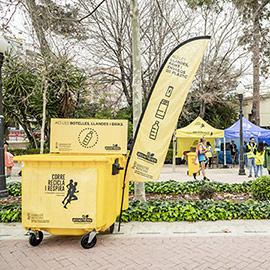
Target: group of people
255, 156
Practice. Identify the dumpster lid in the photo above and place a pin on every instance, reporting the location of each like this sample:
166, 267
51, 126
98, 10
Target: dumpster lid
68, 157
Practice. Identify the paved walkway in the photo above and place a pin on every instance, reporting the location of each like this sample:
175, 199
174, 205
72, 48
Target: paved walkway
178, 245
140, 253
225, 175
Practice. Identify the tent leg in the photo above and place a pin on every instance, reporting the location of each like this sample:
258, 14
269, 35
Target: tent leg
225, 161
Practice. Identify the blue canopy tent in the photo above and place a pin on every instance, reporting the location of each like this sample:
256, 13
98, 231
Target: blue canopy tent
249, 130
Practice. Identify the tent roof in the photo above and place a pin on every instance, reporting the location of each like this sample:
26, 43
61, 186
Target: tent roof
199, 128
249, 130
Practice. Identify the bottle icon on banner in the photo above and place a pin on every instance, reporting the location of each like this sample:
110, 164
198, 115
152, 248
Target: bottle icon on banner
162, 109
87, 138
154, 131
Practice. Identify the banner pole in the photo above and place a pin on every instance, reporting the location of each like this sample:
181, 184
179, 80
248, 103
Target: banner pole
123, 194
174, 149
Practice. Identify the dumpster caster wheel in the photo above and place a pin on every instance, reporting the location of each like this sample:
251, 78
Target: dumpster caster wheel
112, 228
33, 240
85, 244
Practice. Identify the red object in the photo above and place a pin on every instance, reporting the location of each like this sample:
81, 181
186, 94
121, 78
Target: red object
9, 159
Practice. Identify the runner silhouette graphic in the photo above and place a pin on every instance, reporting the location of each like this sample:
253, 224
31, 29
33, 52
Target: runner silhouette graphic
70, 193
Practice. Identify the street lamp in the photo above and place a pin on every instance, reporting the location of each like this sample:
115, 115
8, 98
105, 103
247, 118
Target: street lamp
3, 189
240, 91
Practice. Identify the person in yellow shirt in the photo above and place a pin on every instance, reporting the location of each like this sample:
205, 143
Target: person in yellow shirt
251, 149
259, 158
209, 153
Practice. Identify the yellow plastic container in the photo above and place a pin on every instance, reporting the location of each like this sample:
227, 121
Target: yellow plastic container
192, 168
71, 194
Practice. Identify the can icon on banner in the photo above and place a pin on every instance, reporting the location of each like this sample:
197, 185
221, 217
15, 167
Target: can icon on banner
162, 109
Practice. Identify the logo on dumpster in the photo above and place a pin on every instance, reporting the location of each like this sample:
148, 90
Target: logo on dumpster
114, 147
88, 137
72, 189
83, 219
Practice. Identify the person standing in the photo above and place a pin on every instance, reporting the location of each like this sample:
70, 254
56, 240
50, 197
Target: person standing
234, 151
251, 153
9, 163
209, 154
259, 158
201, 158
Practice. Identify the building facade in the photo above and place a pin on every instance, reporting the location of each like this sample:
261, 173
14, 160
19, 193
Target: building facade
264, 109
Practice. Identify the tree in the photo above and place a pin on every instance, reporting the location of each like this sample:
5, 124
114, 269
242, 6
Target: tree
49, 17
255, 14
19, 85
109, 43
223, 64
24, 83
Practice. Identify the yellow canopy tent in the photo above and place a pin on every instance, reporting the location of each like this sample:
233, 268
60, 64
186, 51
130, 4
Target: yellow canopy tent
189, 136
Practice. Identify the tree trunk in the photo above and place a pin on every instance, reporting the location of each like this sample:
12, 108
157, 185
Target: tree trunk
139, 188
202, 108
33, 11
255, 113
45, 84
29, 134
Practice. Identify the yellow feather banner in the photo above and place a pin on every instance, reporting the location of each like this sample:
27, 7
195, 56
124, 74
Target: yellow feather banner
164, 105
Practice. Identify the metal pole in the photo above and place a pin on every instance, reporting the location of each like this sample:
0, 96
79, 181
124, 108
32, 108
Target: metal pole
174, 150
3, 189
241, 167
225, 157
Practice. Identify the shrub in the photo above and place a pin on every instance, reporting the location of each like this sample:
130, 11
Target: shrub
191, 187
206, 192
261, 188
14, 188
10, 213
182, 210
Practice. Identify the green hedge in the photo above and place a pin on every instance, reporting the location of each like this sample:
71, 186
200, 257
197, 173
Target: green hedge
192, 187
183, 210
180, 210
20, 151
261, 188
14, 188
10, 213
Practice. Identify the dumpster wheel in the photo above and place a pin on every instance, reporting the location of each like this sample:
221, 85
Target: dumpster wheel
34, 240
85, 244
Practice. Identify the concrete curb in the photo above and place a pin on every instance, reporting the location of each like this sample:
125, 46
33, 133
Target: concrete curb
12, 231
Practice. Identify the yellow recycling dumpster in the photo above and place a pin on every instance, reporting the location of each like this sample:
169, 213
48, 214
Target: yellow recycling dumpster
71, 194
192, 168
